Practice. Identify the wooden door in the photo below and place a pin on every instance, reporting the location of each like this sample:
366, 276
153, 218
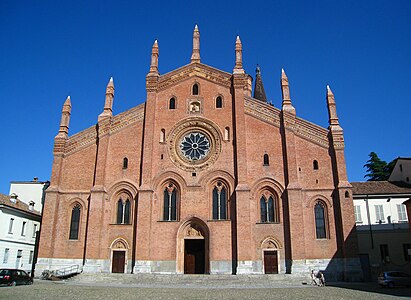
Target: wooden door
189, 264
194, 256
119, 258
270, 262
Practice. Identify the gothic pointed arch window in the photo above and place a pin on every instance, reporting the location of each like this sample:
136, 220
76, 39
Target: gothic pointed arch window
320, 214
269, 210
170, 203
75, 222
123, 210
220, 201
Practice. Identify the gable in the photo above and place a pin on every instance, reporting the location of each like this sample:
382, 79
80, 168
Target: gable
194, 70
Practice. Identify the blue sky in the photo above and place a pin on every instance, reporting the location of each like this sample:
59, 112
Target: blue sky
51, 49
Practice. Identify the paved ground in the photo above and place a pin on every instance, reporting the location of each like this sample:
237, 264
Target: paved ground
122, 290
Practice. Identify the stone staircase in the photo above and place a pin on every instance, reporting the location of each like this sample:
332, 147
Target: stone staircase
191, 281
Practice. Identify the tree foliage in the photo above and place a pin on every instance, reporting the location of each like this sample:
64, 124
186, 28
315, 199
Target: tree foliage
377, 169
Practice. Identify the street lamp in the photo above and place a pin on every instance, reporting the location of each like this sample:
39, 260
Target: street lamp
369, 221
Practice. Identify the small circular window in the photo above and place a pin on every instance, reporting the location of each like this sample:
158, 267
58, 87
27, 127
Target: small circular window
195, 146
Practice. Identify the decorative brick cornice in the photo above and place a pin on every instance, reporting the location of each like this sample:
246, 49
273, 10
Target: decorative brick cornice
311, 132
109, 126
126, 118
81, 140
300, 127
191, 70
262, 111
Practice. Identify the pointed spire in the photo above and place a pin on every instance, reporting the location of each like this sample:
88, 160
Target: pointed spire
108, 105
259, 92
285, 89
65, 119
154, 58
332, 108
238, 68
195, 56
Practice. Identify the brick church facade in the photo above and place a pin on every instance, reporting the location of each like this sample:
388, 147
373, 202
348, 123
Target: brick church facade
201, 178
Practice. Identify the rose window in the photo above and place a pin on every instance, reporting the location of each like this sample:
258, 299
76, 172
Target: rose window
195, 146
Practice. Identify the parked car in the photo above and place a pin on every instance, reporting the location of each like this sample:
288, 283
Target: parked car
394, 278
14, 277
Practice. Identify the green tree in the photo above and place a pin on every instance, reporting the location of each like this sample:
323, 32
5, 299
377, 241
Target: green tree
377, 169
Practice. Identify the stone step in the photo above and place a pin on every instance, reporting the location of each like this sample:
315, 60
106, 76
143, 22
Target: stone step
192, 280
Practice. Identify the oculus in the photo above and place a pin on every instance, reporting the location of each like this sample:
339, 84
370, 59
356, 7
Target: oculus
194, 146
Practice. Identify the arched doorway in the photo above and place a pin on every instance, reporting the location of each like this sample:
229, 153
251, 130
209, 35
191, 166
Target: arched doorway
119, 256
270, 255
193, 247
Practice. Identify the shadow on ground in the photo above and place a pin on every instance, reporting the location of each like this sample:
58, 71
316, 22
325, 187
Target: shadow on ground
371, 287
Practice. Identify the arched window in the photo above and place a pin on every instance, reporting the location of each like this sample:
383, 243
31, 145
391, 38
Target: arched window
220, 202
162, 135
127, 212
172, 103
75, 222
195, 89
347, 194
123, 211
219, 102
227, 134
315, 165
120, 212
125, 163
170, 203
320, 220
266, 160
269, 209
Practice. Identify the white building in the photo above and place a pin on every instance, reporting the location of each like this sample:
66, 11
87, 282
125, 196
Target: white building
401, 170
29, 191
19, 224
382, 226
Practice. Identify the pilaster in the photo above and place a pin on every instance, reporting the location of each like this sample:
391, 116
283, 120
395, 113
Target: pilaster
98, 196
242, 191
145, 196
293, 199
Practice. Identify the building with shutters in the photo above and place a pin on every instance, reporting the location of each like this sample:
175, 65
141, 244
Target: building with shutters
203, 177
20, 224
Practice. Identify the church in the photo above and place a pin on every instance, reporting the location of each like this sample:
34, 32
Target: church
204, 177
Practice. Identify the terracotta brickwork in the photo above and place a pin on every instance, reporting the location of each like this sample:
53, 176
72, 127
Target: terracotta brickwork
125, 172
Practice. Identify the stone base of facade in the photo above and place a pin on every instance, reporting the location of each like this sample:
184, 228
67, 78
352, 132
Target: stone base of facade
249, 267
170, 267
53, 264
221, 267
336, 269
155, 267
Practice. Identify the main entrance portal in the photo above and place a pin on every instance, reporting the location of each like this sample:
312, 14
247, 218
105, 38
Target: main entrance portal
194, 256
193, 247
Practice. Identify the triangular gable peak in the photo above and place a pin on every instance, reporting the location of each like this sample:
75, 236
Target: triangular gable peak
194, 70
